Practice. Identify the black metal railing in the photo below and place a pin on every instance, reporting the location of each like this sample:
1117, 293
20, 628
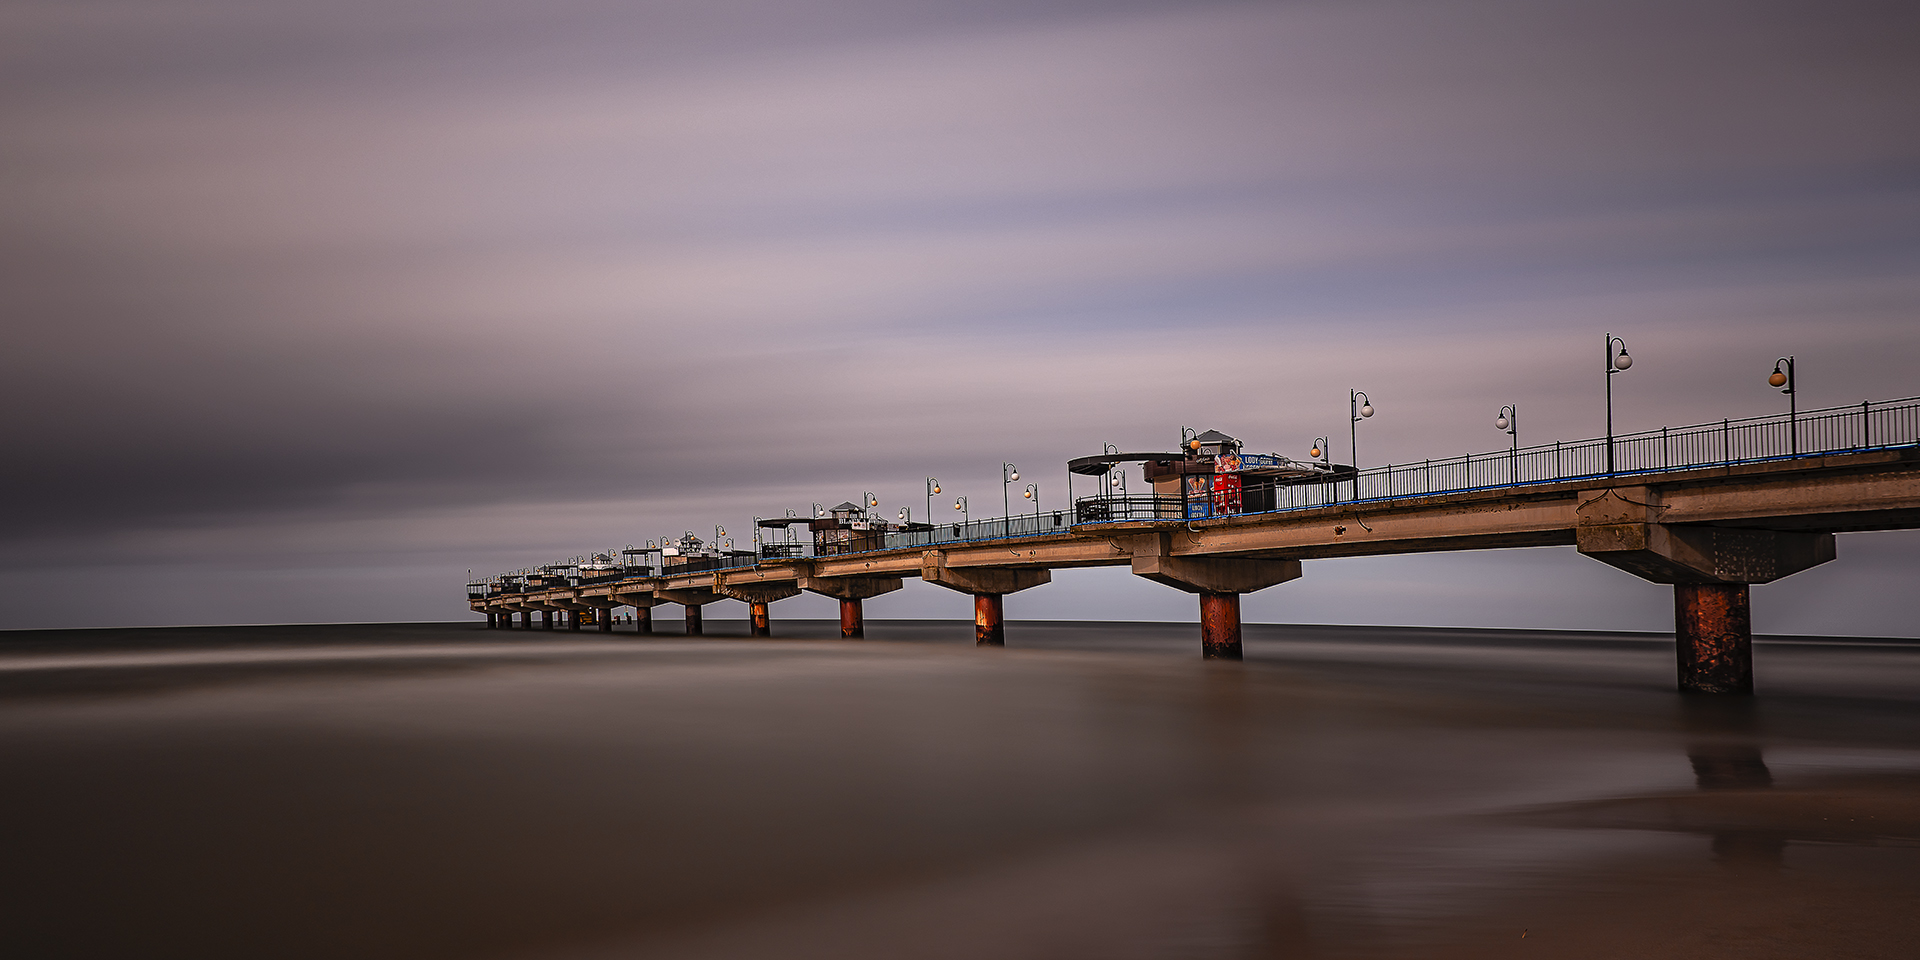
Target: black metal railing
784, 550
1835, 430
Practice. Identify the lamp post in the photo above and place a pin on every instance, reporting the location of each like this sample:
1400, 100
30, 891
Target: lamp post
1784, 380
1033, 493
1358, 408
933, 487
1322, 450
1008, 474
966, 514
1615, 364
818, 510
1509, 421
867, 501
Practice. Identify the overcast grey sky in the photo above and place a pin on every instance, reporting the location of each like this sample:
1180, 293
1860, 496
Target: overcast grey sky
313, 307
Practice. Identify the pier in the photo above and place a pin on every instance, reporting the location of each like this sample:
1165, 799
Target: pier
1711, 509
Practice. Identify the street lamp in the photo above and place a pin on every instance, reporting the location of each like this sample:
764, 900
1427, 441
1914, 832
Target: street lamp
933, 487
1322, 450
869, 500
1509, 421
1784, 380
1615, 364
1358, 408
818, 510
1008, 474
966, 514
1033, 493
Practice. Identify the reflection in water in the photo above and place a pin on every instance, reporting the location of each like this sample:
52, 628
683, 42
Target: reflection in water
1732, 764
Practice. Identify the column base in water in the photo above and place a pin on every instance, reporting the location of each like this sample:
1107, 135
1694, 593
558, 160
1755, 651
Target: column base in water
693, 620
989, 629
1713, 637
1220, 626
853, 620
762, 623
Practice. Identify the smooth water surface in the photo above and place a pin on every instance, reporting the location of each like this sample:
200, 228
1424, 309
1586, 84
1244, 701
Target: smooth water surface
1094, 790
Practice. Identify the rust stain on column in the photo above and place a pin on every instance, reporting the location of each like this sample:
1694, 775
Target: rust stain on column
1713, 637
1220, 626
762, 623
693, 620
988, 631
643, 619
853, 622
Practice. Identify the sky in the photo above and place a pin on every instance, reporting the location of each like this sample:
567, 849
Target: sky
313, 308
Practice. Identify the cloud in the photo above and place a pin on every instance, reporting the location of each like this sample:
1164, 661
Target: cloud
278, 275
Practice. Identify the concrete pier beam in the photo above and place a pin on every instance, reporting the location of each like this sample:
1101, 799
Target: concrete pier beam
850, 591
642, 601
757, 594
1218, 580
988, 586
693, 600
1710, 568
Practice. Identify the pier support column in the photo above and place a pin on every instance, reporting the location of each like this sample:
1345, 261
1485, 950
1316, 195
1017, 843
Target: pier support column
546, 619
757, 589
1710, 569
988, 585
989, 620
573, 619
605, 620
642, 602
694, 628
1218, 580
1220, 626
490, 621
850, 591
1713, 637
